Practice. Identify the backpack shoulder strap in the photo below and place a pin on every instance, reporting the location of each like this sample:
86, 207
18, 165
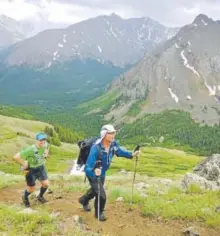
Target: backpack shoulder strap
99, 157
99, 153
35, 149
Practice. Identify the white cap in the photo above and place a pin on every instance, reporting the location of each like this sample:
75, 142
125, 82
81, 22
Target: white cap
104, 130
108, 128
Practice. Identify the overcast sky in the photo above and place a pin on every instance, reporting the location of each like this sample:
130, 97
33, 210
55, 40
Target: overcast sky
65, 12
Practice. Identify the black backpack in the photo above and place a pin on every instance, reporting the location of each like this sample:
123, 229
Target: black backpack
84, 149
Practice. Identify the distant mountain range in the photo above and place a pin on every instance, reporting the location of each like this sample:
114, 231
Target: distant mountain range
183, 73
76, 63
103, 38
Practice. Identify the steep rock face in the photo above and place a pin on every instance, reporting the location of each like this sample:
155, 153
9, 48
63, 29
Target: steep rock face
182, 73
104, 38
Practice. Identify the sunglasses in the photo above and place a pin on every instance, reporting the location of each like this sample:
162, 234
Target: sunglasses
42, 139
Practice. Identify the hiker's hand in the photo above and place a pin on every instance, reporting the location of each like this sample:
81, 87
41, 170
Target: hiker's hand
26, 172
25, 165
136, 154
98, 171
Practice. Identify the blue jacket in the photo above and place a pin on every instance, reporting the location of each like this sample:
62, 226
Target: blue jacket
105, 158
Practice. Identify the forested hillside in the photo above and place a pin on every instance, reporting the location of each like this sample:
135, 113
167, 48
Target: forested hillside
171, 128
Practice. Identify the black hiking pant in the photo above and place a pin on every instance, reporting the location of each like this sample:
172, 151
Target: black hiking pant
39, 173
93, 192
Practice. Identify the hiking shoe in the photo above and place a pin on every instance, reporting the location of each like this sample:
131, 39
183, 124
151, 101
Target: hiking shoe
41, 199
86, 207
101, 216
26, 202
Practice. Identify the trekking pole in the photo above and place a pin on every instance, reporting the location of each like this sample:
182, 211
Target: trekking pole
99, 182
135, 167
98, 179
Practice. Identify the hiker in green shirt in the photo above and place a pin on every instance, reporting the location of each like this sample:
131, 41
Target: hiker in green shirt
32, 159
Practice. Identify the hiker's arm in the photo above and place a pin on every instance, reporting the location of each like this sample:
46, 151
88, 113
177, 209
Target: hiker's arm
91, 161
121, 152
17, 158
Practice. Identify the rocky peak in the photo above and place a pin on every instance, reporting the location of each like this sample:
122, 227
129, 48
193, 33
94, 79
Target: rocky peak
181, 73
114, 16
202, 19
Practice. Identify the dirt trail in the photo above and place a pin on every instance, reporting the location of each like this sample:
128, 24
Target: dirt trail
121, 220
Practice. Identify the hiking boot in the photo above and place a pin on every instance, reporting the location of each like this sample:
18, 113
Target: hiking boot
26, 202
41, 199
86, 206
101, 216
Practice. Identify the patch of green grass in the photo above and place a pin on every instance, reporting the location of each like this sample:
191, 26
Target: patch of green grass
67, 183
194, 204
15, 111
6, 134
8, 179
158, 162
116, 192
135, 108
101, 101
14, 223
9, 166
15, 125
75, 188
194, 188
60, 160
177, 204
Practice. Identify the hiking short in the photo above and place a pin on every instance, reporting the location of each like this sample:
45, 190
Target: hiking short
39, 173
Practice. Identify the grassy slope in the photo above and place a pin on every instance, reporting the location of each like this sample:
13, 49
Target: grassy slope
159, 162
193, 204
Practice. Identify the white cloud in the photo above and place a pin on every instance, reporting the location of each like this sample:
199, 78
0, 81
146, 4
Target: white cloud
71, 13
171, 13
191, 11
55, 12
18, 9
65, 12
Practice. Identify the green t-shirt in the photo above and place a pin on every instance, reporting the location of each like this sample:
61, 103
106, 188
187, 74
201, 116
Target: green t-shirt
34, 156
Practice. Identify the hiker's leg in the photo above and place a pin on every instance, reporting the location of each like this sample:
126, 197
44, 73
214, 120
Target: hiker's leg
30, 180
43, 178
90, 194
30, 189
44, 187
102, 195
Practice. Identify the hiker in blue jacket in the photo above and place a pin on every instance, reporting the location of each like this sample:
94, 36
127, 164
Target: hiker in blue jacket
98, 162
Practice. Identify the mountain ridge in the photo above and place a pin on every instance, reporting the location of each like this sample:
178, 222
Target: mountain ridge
183, 73
105, 38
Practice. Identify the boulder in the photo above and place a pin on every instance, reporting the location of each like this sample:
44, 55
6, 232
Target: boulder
206, 174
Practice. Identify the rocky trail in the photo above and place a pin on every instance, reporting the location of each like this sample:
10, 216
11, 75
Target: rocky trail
121, 219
